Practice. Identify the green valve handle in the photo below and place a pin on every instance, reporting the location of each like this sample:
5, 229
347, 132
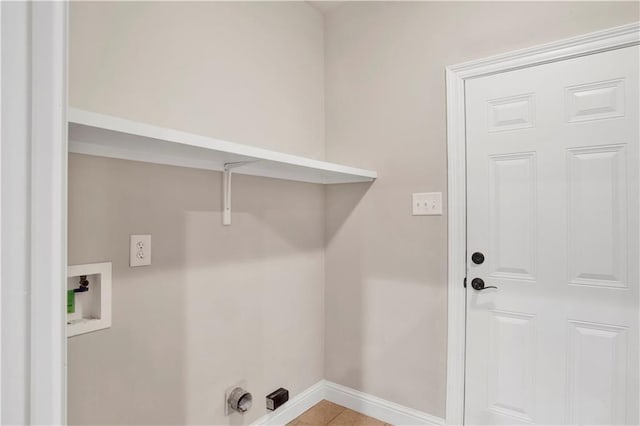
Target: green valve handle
71, 301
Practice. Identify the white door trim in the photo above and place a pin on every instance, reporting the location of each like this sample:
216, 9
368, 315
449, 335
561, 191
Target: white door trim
33, 245
614, 38
1, 98
48, 345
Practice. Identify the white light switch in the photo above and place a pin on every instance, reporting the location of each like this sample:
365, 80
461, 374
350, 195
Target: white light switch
140, 250
427, 203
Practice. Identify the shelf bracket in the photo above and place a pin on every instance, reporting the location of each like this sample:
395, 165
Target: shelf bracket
226, 189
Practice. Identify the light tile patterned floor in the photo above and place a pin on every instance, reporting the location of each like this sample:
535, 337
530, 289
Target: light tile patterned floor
327, 413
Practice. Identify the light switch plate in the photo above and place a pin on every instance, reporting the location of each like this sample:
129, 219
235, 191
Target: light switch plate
427, 204
140, 250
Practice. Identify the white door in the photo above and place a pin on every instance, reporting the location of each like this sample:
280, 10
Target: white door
552, 190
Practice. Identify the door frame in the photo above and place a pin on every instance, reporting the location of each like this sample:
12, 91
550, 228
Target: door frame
456, 75
33, 195
48, 273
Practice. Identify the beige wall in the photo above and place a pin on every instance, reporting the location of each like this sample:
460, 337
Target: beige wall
219, 304
385, 109
248, 72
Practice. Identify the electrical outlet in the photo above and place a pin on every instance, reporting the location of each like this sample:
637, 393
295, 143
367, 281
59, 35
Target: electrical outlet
427, 204
140, 250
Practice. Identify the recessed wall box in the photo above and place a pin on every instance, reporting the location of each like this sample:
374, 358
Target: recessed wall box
276, 398
88, 298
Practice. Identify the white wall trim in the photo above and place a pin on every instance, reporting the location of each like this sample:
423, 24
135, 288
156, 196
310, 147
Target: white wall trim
33, 154
614, 38
586, 44
361, 402
1, 206
294, 407
457, 237
379, 408
48, 342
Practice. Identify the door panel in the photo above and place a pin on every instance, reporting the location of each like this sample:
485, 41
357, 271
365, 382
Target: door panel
552, 195
597, 205
511, 113
595, 100
512, 227
511, 378
596, 379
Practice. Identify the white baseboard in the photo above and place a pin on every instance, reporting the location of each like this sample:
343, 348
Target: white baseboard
379, 408
294, 407
361, 402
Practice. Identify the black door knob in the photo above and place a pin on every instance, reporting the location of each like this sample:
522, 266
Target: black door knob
478, 284
477, 258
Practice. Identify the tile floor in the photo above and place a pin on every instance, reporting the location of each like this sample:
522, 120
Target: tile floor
326, 413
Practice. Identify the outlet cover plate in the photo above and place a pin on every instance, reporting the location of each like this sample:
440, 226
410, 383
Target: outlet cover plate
140, 250
427, 204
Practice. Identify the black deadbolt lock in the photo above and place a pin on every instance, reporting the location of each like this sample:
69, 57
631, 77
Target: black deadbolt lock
477, 258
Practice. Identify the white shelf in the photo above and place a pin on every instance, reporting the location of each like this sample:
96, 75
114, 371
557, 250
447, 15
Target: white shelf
107, 136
